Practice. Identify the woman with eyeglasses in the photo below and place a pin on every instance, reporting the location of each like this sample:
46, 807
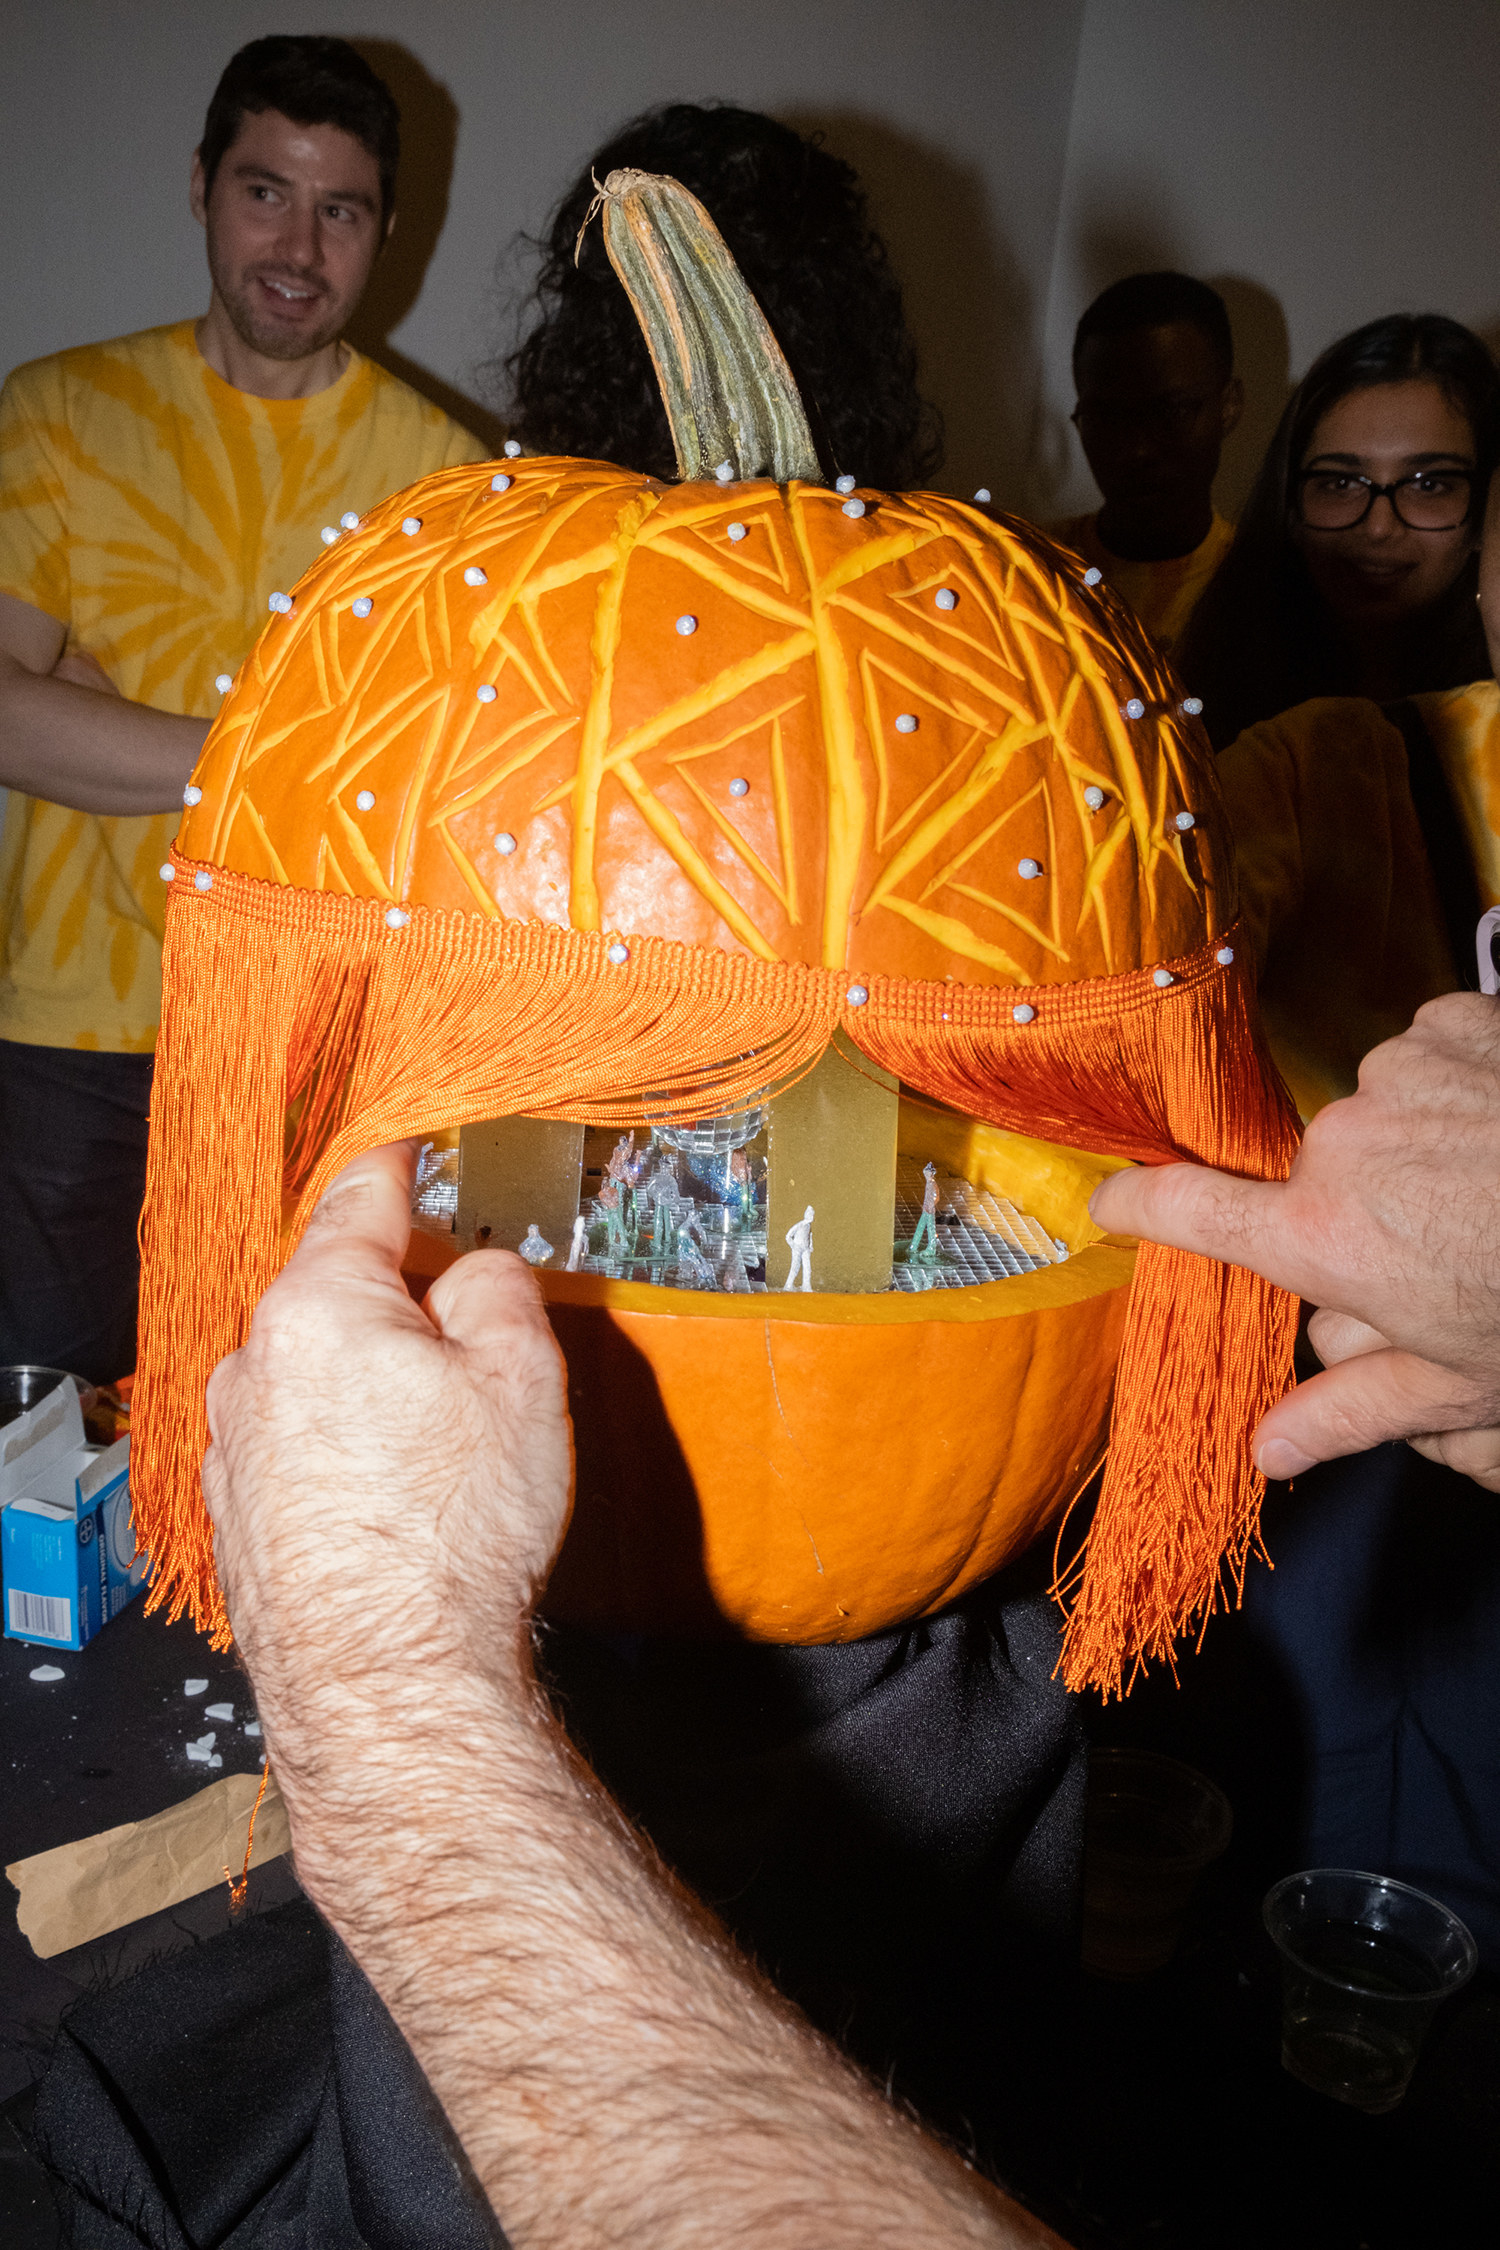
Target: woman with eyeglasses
1353, 571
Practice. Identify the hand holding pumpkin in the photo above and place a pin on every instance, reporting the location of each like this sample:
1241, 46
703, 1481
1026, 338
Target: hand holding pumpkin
1390, 1222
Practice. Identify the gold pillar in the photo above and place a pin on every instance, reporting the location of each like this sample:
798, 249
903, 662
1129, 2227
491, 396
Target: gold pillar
514, 1172
833, 1145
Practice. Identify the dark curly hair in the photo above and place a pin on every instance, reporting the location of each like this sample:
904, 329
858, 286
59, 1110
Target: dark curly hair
795, 220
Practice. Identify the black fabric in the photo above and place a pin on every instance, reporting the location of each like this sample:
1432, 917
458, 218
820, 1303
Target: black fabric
72, 1178
880, 1823
1442, 829
251, 2095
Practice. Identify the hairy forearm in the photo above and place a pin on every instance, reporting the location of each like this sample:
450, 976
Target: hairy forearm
94, 753
613, 2068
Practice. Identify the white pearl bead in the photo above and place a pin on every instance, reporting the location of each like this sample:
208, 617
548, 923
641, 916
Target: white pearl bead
946, 598
1091, 577
739, 787
982, 496
857, 995
396, 917
280, 603
349, 520
1162, 977
224, 682
618, 953
505, 843
906, 722
686, 625
1134, 709
1191, 706
1224, 956
166, 871
328, 535
362, 605
485, 693
474, 576
203, 881
737, 532
1029, 869
854, 507
843, 484
725, 472
1093, 796
1024, 1013
192, 795
411, 525
500, 483
365, 801
512, 449
1185, 821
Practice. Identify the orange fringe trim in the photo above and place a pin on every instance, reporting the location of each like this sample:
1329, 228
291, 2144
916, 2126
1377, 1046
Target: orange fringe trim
299, 1029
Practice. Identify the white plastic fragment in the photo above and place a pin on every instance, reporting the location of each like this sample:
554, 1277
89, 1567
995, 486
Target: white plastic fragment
1060, 1247
857, 995
687, 625
1091, 577
617, 953
215, 1760
1028, 869
252, 1726
1093, 796
946, 598
396, 917
474, 576
192, 795
1162, 977
1024, 1012
854, 507
203, 881
500, 483
224, 681
218, 1711
739, 787
505, 842
1224, 956
737, 532
365, 801
362, 605
906, 722
484, 693
349, 520
47, 1672
195, 1687
512, 449
411, 525
843, 484
201, 1750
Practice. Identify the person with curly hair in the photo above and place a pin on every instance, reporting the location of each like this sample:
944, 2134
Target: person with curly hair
798, 227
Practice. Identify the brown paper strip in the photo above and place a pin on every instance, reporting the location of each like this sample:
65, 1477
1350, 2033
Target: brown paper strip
84, 1890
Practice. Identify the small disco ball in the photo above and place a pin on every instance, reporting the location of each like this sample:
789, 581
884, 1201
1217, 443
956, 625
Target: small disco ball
712, 1136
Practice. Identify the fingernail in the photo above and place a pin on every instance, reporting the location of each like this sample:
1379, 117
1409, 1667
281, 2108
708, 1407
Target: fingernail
1279, 1459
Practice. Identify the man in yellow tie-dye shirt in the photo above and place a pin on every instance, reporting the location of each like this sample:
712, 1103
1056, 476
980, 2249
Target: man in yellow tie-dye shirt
157, 493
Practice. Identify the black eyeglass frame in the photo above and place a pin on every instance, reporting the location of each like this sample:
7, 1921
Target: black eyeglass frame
1374, 492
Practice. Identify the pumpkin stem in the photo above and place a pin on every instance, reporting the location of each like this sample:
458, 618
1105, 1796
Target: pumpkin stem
727, 389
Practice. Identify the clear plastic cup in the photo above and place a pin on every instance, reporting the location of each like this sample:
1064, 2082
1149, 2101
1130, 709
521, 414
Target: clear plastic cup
23, 1387
1151, 1827
1366, 1963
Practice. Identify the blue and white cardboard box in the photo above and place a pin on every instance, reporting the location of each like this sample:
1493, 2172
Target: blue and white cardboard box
66, 1543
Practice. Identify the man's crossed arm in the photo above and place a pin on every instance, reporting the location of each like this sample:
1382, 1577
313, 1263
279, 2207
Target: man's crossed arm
67, 735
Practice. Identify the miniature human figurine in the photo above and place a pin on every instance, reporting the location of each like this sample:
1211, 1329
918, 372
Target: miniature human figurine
579, 1244
534, 1250
924, 1241
618, 1167
693, 1267
742, 1183
799, 1241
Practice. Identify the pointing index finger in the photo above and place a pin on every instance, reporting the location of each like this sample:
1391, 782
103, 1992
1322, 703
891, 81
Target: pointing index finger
363, 1219
1191, 1207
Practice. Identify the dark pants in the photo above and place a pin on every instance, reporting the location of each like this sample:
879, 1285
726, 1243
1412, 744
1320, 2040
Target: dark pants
72, 1176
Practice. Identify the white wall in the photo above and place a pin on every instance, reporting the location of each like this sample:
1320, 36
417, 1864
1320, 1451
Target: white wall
955, 112
1322, 161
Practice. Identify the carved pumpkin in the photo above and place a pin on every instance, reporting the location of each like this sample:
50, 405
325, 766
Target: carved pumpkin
558, 791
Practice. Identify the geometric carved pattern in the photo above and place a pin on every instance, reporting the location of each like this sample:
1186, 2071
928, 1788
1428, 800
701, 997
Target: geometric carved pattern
743, 785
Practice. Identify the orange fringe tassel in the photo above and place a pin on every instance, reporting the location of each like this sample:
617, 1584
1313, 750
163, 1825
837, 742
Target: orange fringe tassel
299, 1029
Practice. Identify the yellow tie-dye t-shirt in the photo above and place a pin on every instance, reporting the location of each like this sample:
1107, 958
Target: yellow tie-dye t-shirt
153, 509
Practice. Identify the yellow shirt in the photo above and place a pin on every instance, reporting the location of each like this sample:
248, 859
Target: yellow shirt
153, 509
1162, 594
1464, 724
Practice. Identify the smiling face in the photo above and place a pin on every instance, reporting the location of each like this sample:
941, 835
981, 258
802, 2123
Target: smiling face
1381, 572
294, 225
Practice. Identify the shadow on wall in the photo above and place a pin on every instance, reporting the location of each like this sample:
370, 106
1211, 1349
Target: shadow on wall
966, 302
429, 136
1262, 358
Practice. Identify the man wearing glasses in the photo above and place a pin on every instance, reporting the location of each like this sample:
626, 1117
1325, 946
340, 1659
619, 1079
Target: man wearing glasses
1157, 396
